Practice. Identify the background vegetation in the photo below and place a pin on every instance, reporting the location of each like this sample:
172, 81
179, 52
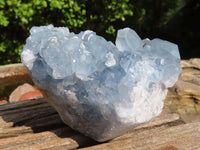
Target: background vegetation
176, 21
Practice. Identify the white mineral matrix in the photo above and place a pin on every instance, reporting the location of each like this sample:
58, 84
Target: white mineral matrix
99, 88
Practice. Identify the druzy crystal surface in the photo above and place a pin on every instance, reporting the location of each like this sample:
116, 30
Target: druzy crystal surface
101, 89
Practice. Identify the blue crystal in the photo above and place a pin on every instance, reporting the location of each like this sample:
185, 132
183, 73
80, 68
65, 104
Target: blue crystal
101, 89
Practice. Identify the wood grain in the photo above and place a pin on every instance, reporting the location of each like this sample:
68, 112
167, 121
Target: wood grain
34, 124
13, 74
183, 137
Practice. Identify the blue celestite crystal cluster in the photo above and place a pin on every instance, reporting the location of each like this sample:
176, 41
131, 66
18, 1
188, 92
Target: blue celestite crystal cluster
98, 88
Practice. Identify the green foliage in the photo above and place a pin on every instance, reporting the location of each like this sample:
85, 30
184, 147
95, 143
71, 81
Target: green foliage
102, 16
17, 17
148, 17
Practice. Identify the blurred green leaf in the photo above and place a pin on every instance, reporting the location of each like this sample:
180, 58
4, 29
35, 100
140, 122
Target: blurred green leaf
111, 30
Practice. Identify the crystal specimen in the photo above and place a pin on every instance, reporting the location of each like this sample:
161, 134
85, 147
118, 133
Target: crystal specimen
98, 88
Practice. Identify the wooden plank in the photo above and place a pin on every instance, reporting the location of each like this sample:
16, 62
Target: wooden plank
148, 130
163, 118
33, 126
65, 136
27, 140
61, 144
13, 74
34, 123
40, 113
20, 133
183, 137
21, 104
20, 113
13, 132
40, 127
4, 123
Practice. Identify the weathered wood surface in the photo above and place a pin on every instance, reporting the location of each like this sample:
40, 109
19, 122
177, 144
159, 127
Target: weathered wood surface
184, 96
34, 124
13, 74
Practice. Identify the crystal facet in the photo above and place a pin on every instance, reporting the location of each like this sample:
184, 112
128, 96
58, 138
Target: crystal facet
98, 88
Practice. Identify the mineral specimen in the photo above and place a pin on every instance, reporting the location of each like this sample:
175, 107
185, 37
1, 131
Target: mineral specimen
98, 88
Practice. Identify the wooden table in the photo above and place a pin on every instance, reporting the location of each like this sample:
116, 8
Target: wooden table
35, 125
